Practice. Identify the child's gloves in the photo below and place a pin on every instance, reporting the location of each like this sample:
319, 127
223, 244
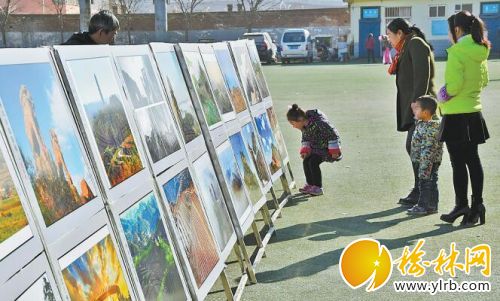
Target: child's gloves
334, 149
305, 149
443, 95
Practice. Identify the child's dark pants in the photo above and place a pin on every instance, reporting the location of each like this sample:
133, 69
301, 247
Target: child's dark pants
312, 170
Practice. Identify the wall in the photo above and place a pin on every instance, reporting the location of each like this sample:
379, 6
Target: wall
420, 16
38, 30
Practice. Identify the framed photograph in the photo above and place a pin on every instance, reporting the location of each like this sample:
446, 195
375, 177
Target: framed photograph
179, 97
33, 282
269, 145
214, 204
236, 185
248, 171
246, 72
99, 101
252, 143
219, 88
191, 227
152, 113
92, 270
230, 75
45, 142
277, 134
151, 251
201, 84
259, 73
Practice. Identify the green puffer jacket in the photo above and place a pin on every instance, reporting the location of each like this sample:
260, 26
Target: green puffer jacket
466, 75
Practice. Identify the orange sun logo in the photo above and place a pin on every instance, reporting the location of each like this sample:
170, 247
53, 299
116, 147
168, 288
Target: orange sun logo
365, 261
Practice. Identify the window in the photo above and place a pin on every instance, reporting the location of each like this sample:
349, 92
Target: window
392, 13
490, 8
461, 7
294, 37
370, 13
437, 11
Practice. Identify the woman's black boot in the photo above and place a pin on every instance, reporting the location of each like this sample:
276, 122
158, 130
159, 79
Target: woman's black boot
477, 212
461, 209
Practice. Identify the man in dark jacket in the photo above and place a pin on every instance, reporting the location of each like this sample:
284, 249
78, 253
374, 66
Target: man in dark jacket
103, 27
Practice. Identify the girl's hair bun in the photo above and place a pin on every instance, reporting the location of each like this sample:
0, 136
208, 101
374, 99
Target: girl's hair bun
295, 106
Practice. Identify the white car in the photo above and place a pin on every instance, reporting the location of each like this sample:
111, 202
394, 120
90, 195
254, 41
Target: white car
296, 44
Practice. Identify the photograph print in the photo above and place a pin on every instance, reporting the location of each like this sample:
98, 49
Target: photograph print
247, 167
179, 95
13, 221
252, 143
213, 200
42, 126
152, 253
233, 179
99, 94
40, 290
218, 85
231, 78
192, 225
269, 145
247, 74
97, 274
277, 131
202, 87
259, 73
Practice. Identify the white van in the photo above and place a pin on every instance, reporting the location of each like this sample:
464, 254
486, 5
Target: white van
296, 44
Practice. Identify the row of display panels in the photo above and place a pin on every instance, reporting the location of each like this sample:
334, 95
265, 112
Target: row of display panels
47, 144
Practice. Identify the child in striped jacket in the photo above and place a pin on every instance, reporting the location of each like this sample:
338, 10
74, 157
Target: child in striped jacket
320, 143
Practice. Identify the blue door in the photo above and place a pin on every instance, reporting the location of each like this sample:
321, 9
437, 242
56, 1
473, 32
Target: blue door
490, 13
369, 23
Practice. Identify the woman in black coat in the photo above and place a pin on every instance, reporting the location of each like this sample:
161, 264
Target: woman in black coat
414, 70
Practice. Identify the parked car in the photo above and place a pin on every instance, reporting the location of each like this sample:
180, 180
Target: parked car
266, 47
296, 44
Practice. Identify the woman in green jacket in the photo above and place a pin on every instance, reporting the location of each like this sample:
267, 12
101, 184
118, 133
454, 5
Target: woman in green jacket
463, 127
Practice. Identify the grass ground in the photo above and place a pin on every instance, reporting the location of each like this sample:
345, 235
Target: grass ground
361, 191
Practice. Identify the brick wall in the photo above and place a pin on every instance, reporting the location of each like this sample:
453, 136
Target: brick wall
200, 21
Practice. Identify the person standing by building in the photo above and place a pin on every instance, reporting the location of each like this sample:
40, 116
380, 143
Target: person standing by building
413, 66
463, 126
370, 47
103, 28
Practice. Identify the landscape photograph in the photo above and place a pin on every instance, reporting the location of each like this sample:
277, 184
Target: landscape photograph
12, 216
42, 126
192, 225
277, 132
97, 274
202, 87
158, 128
252, 143
269, 145
98, 92
231, 78
40, 290
247, 74
213, 200
179, 95
140, 81
259, 74
233, 179
151, 250
247, 167
218, 85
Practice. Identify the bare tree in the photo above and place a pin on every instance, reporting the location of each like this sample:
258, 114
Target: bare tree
60, 6
251, 7
128, 8
7, 7
187, 8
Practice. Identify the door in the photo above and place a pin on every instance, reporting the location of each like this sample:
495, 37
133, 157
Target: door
369, 23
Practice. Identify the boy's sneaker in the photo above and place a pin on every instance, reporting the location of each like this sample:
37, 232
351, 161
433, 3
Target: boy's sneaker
305, 188
432, 210
417, 210
315, 191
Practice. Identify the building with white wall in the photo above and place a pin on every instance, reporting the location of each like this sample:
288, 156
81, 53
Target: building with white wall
372, 16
